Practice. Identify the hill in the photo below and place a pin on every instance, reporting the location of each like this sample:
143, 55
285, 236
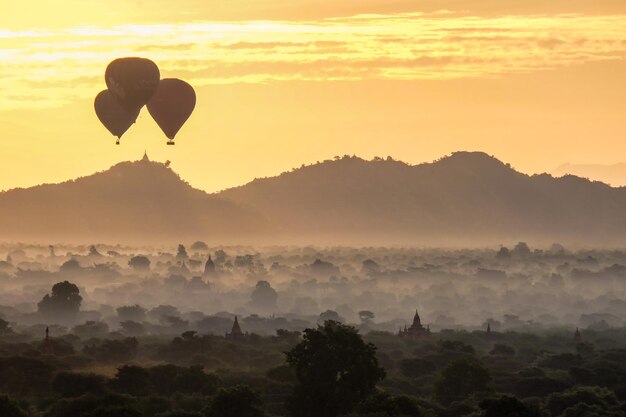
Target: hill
614, 174
466, 197
131, 201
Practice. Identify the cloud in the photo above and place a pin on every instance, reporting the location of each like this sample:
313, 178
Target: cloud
393, 46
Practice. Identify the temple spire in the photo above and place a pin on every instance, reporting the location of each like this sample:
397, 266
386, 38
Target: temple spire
416, 319
145, 157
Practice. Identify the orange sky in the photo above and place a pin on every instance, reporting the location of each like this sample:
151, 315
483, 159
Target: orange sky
286, 82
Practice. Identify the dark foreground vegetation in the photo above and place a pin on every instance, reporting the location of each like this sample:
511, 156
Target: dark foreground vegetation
327, 371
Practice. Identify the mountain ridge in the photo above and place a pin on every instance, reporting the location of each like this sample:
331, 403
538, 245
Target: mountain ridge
465, 196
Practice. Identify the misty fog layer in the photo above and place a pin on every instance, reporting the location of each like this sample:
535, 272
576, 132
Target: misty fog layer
168, 290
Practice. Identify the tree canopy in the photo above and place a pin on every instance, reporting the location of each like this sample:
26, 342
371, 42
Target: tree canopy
335, 370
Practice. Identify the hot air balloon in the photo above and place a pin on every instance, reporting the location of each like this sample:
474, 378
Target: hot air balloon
132, 81
112, 115
172, 105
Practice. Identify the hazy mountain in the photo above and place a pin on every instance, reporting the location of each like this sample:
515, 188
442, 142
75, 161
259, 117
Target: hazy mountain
614, 174
464, 198
139, 200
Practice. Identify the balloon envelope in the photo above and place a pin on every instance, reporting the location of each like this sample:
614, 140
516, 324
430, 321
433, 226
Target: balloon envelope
132, 81
172, 105
112, 115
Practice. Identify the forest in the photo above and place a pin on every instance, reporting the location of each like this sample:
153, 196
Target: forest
193, 330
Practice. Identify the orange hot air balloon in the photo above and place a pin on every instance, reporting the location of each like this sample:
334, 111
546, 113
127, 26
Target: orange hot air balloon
113, 115
132, 81
172, 105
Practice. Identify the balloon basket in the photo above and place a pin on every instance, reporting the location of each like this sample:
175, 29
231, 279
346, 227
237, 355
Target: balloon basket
171, 142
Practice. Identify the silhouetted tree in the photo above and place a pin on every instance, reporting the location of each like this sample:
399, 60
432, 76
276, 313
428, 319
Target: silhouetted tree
237, 401
417, 367
521, 250
131, 379
599, 397
93, 251
163, 310
370, 267
132, 328
199, 245
107, 411
10, 408
91, 329
112, 350
264, 296
181, 254
220, 256
503, 253
21, 376
70, 266
330, 315
180, 413
366, 316
139, 263
71, 384
460, 379
134, 313
502, 350
335, 370
507, 406
384, 404
5, 327
63, 302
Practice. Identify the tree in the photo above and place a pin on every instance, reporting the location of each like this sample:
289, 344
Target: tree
521, 250
366, 316
330, 315
70, 384
93, 251
10, 408
163, 310
64, 301
107, 411
131, 379
335, 370
132, 328
507, 406
503, 253
22, 376
70, 266
179, 413
502, 350
460, 379
133, 313
599, 397
181, 253
199, 245
139, 263
264, 296
112, 350
237, 401
417, 367
370, 267
5, 327
91, 329
384, 404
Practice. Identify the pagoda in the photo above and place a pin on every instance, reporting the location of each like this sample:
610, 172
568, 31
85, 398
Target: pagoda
416, 330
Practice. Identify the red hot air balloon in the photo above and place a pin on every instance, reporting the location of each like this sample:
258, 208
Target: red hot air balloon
112, 115
172, 105
132, 81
